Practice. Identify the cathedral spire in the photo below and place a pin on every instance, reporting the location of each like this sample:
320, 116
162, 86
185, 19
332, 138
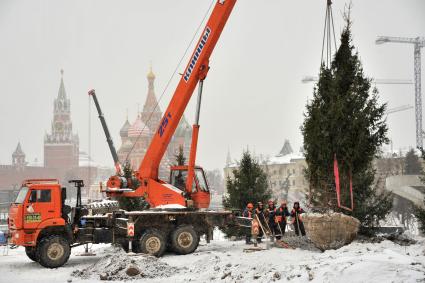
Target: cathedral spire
228, 158
286, 149
151, 114
18, 156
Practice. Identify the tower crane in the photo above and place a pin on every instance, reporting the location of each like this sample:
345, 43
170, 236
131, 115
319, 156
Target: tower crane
308, 79
418, 43
399, 108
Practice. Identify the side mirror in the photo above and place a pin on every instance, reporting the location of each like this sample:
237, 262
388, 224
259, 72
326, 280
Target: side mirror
63, 194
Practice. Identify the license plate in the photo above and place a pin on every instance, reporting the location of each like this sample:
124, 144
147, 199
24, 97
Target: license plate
32, 218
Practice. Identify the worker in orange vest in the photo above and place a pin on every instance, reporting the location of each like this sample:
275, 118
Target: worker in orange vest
280, 218
270, 214
259, 211
248, 213
296, 219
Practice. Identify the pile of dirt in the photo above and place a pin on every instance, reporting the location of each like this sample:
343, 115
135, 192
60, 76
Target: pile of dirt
119, 266
303, 243
402, 239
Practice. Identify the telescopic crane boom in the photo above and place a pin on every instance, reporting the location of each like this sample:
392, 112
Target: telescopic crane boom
114, 154
187, 186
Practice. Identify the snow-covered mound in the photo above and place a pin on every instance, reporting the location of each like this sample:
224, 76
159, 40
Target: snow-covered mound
228, 262
118, 266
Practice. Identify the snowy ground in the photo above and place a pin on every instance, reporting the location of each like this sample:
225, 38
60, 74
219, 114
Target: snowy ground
225, 261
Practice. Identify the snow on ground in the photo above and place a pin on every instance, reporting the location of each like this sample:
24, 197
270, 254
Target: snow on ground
225, 261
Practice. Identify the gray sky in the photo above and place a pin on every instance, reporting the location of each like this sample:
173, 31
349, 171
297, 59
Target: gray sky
253, 94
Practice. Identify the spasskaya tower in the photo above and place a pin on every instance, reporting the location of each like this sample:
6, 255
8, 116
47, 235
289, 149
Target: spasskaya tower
61, 147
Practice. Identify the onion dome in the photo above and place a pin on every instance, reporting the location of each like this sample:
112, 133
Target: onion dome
138, 128
150, 75
124, 129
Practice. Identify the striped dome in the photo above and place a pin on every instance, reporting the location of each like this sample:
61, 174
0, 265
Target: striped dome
124, 129
137, 127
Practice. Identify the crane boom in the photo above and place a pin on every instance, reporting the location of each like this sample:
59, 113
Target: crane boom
114, 154
308, 79
412, 40
188, 186
399, 108
195, 71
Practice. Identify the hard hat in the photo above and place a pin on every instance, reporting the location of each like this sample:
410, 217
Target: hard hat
259, 203
250, 205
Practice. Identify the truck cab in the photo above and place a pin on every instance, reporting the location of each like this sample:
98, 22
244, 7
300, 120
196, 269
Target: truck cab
39, 213
200, 191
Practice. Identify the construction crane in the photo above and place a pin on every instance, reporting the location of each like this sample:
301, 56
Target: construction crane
38, 218
308, 79
399, 108
418, 43
187, 186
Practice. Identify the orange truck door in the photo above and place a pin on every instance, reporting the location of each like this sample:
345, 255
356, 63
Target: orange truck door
38, 207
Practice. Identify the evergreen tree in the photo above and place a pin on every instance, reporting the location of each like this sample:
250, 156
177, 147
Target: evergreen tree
420, 211
345, 120
420, 215
249, 184
412, 166
180, 159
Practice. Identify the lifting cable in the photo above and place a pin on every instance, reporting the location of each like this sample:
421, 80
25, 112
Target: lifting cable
171, 78
89, 147
329, 20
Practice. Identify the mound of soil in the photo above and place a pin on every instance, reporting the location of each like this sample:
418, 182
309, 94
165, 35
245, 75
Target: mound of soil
119, 266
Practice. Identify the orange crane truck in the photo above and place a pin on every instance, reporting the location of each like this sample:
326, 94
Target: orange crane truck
174, 214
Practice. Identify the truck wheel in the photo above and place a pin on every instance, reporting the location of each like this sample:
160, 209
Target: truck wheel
152, 242
31, 253
53, 251
184, 240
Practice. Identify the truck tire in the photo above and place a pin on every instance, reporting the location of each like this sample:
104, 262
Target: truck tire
31, 253
152, 242
184, 240
53, 251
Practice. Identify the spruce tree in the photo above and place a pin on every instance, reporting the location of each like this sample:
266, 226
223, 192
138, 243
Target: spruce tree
412, 166
180, 159
344, 119
420, 211
420, 215
249, 184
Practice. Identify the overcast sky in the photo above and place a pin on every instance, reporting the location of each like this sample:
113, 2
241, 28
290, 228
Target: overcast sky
253, 95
